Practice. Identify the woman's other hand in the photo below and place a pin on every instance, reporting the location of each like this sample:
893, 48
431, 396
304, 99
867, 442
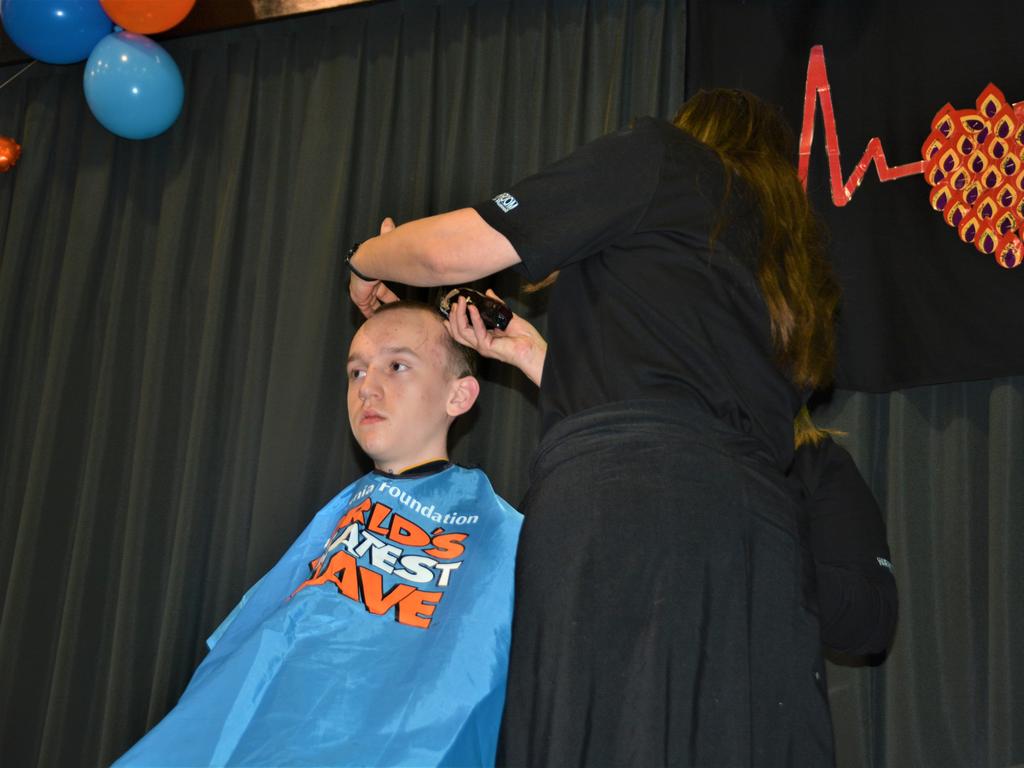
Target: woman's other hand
520, 344
369, 295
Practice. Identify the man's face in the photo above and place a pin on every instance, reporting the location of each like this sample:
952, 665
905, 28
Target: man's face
399, 387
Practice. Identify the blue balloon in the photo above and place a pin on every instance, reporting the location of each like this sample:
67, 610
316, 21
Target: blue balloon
133, 86
55, 31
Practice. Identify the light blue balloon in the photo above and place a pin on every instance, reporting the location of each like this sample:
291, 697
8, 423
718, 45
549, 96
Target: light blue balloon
133, 86
55, 31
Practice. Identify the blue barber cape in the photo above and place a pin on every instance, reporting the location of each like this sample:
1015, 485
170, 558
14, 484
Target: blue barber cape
380, 638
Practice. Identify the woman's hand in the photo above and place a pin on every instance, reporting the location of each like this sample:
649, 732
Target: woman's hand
369, 295
520, 344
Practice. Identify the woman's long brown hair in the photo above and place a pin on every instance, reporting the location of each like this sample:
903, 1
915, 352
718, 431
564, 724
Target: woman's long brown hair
752, 139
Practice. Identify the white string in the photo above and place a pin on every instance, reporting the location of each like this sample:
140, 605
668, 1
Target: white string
9, 79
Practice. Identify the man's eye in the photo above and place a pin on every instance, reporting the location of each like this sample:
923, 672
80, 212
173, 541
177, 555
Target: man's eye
356, 373
399, 367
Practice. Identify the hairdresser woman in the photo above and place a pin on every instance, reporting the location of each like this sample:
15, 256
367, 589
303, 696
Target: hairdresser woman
659, 617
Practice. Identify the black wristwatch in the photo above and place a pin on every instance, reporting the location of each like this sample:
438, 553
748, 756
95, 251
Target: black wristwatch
352, 267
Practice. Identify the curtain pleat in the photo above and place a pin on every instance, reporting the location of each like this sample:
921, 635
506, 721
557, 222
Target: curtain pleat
173, 327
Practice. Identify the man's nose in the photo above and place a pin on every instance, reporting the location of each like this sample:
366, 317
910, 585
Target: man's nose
369, 385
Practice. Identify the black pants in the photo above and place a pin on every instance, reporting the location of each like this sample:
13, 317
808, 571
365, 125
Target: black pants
659, 614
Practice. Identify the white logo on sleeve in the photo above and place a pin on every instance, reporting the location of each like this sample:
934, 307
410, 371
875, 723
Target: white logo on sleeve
506, 202
885, 564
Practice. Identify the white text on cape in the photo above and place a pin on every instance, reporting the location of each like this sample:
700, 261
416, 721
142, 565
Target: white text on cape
410, 502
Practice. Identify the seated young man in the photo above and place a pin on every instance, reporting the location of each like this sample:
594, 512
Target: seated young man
381, 637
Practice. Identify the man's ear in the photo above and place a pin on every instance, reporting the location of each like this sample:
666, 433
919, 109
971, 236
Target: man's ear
462, 394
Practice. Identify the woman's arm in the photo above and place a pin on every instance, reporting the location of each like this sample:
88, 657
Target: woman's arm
564, 213
520, 344
447, 249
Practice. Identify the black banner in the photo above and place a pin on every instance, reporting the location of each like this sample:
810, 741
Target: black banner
921, 305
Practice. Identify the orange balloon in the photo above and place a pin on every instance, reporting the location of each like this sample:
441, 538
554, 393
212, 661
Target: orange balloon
9, 153
145, 17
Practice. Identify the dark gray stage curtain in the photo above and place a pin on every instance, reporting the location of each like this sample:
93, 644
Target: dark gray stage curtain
172, 328
173, 324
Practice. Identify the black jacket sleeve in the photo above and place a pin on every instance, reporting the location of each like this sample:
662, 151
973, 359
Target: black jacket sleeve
846, 535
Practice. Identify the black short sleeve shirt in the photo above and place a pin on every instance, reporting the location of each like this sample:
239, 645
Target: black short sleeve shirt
656, 298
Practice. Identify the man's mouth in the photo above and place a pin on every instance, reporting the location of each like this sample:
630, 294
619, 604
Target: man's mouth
370, 417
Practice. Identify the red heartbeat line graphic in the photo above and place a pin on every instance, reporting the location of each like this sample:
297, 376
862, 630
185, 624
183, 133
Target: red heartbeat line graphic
819, 90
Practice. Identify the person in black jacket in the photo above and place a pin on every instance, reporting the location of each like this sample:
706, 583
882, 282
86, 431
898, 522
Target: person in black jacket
843, 528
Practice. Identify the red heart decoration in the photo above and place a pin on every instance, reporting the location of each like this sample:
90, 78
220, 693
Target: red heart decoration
973, 162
